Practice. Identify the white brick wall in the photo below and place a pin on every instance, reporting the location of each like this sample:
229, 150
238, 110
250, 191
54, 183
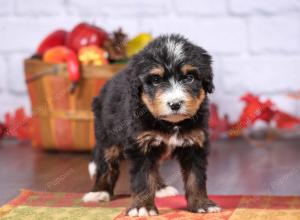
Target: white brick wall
274, 34
263, 7
255, 44
6, 7
3, 74
38, 7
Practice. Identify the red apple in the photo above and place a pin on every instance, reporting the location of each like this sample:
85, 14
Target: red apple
56, 38
85, 34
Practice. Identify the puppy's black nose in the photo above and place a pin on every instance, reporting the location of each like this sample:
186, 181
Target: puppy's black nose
175, 106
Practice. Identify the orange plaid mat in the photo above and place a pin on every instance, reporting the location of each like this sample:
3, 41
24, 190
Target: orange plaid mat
46, 205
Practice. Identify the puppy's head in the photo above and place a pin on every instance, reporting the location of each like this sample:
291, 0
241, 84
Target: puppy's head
174, 77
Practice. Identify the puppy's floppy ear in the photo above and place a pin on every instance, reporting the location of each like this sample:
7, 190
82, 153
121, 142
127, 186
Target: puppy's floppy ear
135, 85
208, 84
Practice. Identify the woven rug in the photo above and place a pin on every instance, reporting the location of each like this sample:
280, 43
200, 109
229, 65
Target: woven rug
61, 206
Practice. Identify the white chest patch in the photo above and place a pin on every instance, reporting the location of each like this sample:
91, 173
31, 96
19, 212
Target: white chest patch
175, 141
150, 139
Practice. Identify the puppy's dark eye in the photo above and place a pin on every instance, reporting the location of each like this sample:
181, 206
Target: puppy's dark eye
156, 80
188, 78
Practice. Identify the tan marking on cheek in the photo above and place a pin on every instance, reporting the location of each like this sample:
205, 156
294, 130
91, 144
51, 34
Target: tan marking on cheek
155, 106
193, 104
159, 70
187, 68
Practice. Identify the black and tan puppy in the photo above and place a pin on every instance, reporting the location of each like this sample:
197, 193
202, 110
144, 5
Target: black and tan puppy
156, 108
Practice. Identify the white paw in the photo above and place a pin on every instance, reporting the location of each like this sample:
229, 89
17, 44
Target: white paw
201, 210
167, 191
92, 169
141, 212
102, 196
152, 212
214, 209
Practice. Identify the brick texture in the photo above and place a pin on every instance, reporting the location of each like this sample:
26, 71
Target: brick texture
264, 7
255, 44
37, 7
3, 75
201, 7
6, 7
16, 84
275, 34
264, 75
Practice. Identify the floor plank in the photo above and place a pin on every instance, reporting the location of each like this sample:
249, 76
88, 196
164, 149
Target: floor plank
235, 167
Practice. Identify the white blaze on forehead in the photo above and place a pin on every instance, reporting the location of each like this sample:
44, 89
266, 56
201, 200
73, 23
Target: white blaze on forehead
175, 49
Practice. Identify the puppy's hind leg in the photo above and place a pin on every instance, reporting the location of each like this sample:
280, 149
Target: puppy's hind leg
104, 169
164, 190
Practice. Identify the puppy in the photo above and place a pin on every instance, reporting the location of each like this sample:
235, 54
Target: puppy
156, 108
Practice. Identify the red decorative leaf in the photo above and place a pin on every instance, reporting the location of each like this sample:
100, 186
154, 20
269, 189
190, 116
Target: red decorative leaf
18, 125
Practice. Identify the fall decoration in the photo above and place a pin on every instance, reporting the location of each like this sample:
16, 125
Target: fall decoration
62, 54
116, 45
138, 43
218, 126
85, 34
60, 120
57, 54
18, 125
56, 38
93, 55
2, 130
266, 111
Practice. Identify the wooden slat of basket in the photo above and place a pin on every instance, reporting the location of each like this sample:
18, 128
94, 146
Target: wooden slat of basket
37, 137
81, 140
92, 140
64, 121
59, 92
62, 133
50, 127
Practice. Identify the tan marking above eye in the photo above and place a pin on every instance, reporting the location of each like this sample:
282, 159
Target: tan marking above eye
158, 70
187, 68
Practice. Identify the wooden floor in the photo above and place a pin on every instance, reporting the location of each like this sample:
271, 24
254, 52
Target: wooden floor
235, 167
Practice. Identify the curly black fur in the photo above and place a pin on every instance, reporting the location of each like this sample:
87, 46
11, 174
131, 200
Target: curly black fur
121, 116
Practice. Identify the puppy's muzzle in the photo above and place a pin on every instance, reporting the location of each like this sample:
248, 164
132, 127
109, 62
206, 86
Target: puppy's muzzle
175, 105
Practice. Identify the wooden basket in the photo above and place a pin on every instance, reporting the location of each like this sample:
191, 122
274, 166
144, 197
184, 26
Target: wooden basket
61, 120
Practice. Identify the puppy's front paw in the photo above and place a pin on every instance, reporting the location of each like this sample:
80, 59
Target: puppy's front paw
204, 206
214, 209
167, 191
142, 212
101, 196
